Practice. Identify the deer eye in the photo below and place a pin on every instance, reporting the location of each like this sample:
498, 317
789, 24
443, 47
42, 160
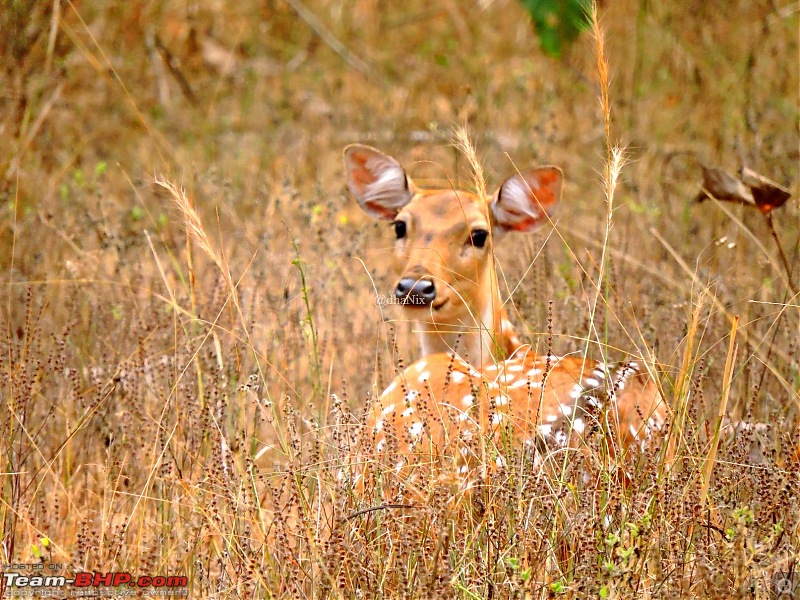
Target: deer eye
399, 229
478, 237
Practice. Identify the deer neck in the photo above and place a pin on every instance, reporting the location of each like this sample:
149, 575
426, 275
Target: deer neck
484, 335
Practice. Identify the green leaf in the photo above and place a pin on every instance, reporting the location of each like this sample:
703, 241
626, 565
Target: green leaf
558, 587
557, 22
625, 553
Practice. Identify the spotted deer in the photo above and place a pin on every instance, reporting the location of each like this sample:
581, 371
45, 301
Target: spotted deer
476, 381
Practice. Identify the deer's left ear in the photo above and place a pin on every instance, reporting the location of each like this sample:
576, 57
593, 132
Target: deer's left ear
527, 200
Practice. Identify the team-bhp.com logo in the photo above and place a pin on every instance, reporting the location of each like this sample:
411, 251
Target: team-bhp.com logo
25, 584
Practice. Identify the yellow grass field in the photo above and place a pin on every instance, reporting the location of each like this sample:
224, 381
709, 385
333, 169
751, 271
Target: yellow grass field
189, 331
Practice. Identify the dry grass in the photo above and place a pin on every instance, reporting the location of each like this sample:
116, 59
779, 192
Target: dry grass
189, 333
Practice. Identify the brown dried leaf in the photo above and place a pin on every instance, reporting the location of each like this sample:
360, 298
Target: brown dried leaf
723, 186
767, 194
752, 189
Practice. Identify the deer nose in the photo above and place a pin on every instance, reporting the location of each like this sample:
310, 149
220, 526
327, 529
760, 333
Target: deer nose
415, 292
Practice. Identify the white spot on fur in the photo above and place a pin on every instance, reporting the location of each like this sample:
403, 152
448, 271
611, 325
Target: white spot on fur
420, 366
561, 438
496, 418
411, 396
552, 418
634, 431
390, 388
468, 400
500, 462
380, 445
534, 372
591, 381
416, 429
399, 466
491, 368
424, 377
407, 412
388, 410
578, 425
566, 409
457, 376
501, 400
545, 429
378, 426
514, 368
518, 384
463, 469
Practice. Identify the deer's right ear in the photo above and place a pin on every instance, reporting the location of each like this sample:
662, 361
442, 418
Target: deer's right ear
377, 181
527, 200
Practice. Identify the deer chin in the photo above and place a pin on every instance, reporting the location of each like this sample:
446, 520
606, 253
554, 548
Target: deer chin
448, 315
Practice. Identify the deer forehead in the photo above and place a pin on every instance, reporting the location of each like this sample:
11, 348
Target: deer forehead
442, 211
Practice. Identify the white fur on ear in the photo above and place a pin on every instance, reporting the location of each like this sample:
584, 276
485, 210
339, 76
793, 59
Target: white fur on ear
377, 181
526, 200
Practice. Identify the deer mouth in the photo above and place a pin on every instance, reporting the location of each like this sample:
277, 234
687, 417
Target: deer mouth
415, 306
436, 306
